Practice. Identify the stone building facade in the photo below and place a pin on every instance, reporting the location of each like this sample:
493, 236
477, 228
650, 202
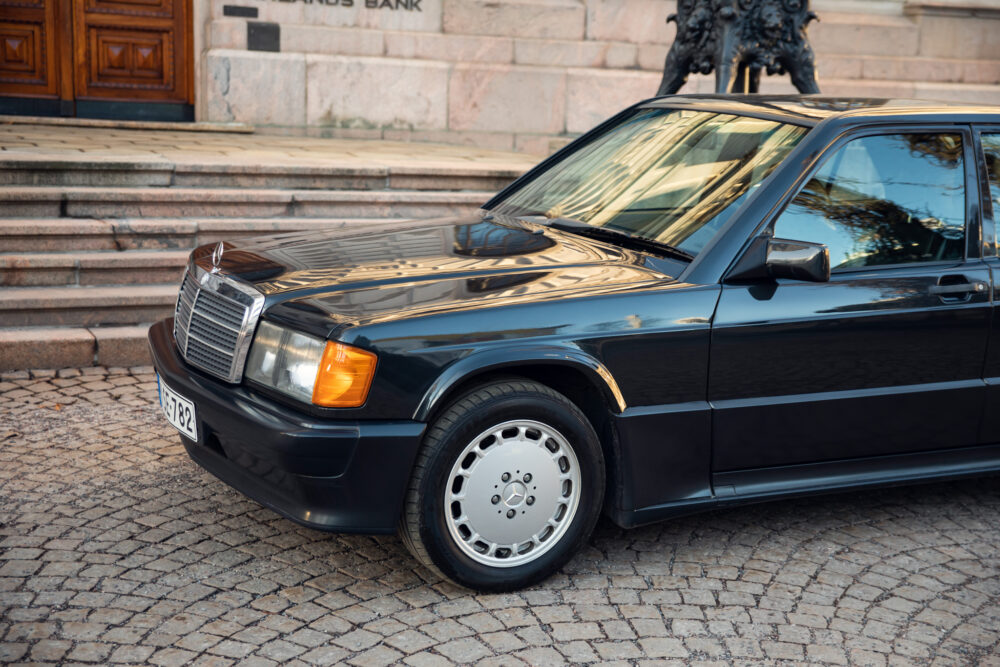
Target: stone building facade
506, 74
527, 74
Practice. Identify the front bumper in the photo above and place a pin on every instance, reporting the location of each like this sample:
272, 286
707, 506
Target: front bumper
343, 476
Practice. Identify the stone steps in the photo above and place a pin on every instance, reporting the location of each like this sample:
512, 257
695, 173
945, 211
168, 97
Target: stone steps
73, 347
83, 269
182, 202
96, 227
86, 306
62, 235
84, 291
50, 170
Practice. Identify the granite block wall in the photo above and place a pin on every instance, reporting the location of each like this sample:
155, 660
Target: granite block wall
530, 74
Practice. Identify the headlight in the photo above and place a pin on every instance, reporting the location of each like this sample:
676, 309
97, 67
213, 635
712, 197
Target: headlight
310, 369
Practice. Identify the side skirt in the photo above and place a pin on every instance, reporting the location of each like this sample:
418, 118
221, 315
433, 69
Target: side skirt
744, 487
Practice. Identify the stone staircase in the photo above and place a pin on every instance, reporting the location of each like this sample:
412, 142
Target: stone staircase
92, 250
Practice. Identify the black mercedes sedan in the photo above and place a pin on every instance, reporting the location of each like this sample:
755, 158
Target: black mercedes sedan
705, 301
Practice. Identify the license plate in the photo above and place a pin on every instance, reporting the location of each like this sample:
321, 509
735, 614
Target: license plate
178, 410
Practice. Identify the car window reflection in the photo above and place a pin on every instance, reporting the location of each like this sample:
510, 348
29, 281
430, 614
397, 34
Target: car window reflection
669, 175
890, 199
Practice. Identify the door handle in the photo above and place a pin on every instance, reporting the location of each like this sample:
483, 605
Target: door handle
958, 291
961, 288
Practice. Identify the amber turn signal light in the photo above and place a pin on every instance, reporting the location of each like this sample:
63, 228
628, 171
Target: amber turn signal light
344, 377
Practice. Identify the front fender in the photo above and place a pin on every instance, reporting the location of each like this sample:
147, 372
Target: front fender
567, 355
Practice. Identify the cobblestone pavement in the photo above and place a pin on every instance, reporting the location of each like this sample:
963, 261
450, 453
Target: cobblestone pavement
115, 548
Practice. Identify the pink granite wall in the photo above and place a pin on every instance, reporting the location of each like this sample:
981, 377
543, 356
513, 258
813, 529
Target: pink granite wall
529, 74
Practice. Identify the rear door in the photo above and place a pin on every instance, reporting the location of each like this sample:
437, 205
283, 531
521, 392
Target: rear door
887, 357
988, 152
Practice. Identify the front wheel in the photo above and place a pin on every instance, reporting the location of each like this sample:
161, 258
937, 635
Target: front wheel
507, 487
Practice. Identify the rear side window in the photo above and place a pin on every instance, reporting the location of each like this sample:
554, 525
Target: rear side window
991, 146
888, 199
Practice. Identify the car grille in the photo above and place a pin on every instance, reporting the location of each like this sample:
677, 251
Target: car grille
214, 322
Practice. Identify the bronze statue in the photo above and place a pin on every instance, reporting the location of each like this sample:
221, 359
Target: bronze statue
739, 39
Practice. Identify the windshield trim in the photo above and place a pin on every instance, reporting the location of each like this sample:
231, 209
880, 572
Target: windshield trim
734, 107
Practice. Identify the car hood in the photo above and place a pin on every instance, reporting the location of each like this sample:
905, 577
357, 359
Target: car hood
352, 274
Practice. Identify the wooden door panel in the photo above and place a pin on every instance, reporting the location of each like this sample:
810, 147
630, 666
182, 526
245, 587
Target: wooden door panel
130, 60
132, 50
22, 52
29, 55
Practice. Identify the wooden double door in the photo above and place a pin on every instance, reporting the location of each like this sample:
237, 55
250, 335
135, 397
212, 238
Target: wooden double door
127, 59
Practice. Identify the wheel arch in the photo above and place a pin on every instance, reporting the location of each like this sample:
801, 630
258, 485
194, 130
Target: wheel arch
571, 372
552, 362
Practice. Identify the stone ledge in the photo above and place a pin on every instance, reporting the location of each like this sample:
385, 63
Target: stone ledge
46, 348
954, 8
73, 347
121, 346
201, 126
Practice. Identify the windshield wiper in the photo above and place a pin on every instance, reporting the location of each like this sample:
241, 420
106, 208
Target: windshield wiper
618, 237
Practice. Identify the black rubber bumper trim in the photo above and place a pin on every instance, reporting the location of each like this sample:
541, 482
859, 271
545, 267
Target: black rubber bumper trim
345, 476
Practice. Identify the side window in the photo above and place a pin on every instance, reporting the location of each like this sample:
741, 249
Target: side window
890, 199
991, 146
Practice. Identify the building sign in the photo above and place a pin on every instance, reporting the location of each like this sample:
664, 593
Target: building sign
404, 5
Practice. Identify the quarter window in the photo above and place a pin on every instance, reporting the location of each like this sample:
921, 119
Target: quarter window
890, 199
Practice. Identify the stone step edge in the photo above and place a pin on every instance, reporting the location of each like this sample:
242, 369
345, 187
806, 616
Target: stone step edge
73, 347
47, 170
26, 236
201, 126
185, 226
75, 193
65, 269
50, 161
94, 258
88, 296
92, 268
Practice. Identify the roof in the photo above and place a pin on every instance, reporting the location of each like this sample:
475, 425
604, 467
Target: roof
811, 109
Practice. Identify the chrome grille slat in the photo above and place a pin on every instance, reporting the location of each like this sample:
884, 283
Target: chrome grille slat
203, 315
214, 304
213, 341
214, 321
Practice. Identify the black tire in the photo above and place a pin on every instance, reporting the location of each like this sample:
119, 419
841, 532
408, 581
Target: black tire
425, 526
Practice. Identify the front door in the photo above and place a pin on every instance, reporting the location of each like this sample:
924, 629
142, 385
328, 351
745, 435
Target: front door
124, 59
887, 357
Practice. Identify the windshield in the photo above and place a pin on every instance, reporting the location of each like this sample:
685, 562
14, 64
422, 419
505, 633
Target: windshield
667, 175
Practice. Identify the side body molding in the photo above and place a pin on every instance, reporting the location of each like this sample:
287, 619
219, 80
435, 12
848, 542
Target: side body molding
566, 355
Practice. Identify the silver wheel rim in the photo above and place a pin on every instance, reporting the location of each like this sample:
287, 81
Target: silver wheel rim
512, 493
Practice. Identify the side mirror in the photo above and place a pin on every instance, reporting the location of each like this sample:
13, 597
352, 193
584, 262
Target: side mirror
798, 260
783, 258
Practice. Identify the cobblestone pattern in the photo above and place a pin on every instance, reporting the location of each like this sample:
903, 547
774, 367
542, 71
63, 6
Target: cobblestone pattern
115, 548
